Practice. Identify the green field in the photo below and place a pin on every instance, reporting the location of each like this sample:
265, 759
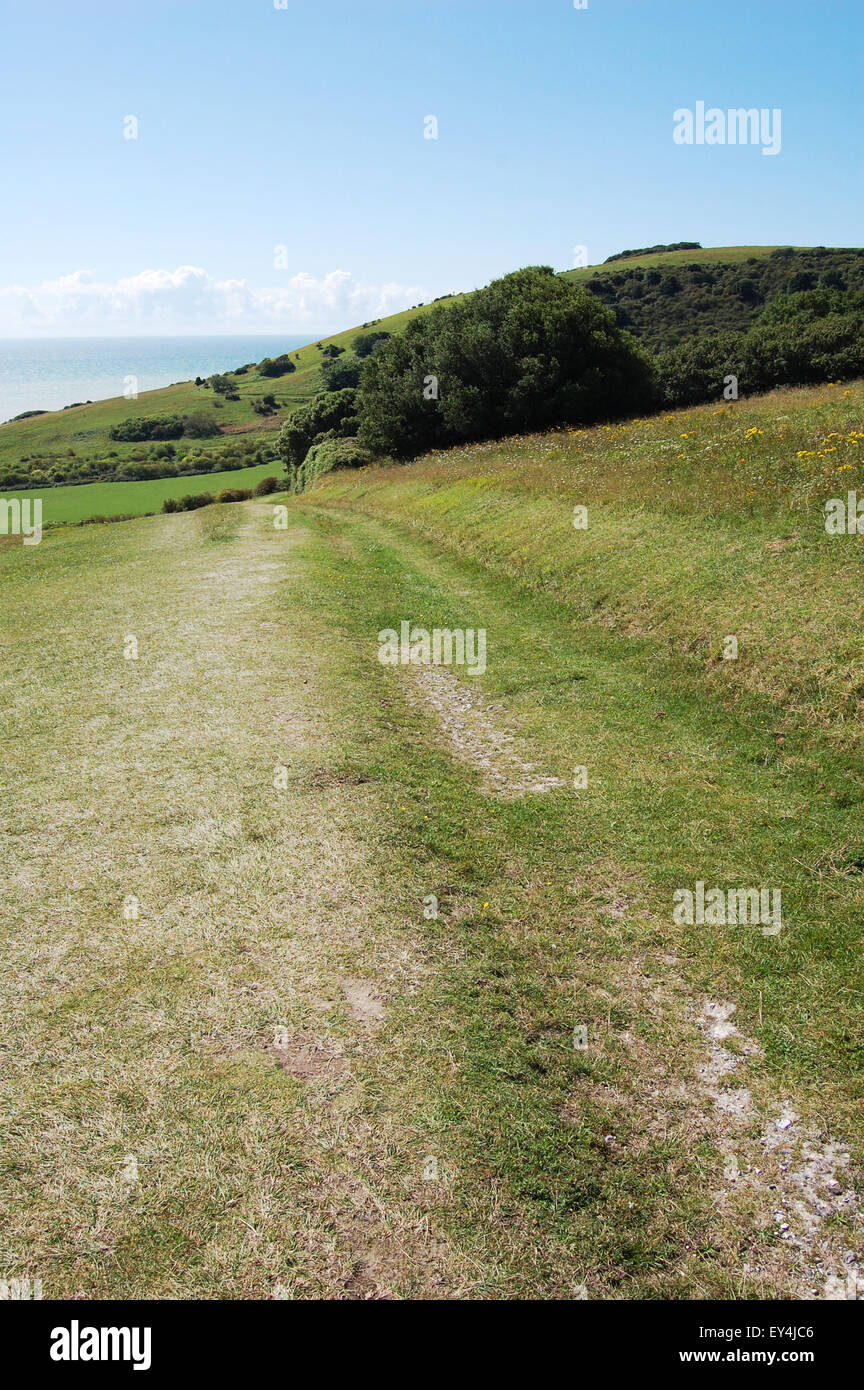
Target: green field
344, 978
85, 501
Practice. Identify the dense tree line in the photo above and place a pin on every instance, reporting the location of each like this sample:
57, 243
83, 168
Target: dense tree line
800, 339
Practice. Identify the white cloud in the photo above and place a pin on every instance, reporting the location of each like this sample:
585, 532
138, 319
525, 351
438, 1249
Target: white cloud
189, 300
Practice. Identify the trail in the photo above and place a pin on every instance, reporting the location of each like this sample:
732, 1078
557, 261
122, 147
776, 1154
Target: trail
201, 1042
245, 1058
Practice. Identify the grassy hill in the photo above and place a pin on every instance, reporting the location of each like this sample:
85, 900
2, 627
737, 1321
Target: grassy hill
665, 299
703, 255
401, 1008
660, 297
84, 428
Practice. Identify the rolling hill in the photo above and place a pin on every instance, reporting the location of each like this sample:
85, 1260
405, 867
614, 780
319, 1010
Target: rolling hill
661, 297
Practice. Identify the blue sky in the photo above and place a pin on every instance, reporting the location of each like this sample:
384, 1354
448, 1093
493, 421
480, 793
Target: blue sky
302, 127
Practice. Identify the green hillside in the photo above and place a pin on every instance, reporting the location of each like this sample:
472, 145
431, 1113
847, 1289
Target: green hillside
660, 297
665, 299
703, 255
39, 442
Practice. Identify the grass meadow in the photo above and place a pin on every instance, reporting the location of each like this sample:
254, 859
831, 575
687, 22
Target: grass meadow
329, 978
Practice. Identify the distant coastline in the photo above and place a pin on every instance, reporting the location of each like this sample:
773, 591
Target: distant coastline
50, 373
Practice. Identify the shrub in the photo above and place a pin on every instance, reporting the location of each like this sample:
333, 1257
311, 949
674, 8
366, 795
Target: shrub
798, 341
365, 343
276, 366
265, 487
200, 425
808, 305
329, 410
189, 503
147, 427
651, 250
234, 494
327, 454
795, 353
694, 371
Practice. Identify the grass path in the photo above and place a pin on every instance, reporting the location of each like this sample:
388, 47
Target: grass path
158, 1141
282, 1078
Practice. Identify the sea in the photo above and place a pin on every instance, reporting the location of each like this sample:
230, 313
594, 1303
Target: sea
48, 373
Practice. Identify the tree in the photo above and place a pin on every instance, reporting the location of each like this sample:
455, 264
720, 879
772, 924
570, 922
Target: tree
530, 351
339, 372
365, 343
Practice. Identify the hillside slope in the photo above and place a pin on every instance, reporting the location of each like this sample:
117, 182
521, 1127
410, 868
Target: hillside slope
665, 299
660, 297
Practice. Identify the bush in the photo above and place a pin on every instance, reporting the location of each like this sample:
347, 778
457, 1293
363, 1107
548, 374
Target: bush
200, 425
528, 352
330, 410
808, 305
234, 494
652, 250
694, 372
800, 354
365, 343
138, 428
276, 366
189, 503
265, 487
326, 455
799, 340
147, 427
